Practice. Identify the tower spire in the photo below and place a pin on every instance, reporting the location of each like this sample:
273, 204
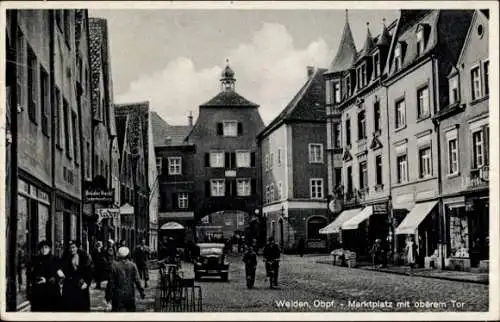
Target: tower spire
347, 52
384, 39
227, 79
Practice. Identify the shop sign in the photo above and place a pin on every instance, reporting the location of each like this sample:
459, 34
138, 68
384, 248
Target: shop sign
380, 208
99, 195
43, 196
96, 191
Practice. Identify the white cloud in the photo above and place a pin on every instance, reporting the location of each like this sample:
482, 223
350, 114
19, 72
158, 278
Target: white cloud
269, 71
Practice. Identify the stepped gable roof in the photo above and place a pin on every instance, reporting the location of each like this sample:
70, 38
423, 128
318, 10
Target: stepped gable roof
347, 53
228, 99
307, 105
165, 134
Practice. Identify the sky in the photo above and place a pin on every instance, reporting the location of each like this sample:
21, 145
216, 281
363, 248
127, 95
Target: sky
173, 57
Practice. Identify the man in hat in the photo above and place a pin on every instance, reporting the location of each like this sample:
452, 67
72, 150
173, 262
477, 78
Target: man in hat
124, 277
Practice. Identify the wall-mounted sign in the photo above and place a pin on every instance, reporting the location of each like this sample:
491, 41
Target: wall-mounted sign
99, 195
97, 191
230, 173
380, 208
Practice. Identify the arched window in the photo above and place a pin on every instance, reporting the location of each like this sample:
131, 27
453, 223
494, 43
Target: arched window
314, 224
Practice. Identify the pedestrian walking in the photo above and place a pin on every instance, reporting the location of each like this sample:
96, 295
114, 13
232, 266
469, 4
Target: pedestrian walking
411, 252
20, 264
101, 259
77, 269
44, 277
124, 278
376, 253
141, 255
301, 246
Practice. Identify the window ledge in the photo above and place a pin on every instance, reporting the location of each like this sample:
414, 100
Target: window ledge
453, 175
479, 100
400, 128
423, 118
316, 162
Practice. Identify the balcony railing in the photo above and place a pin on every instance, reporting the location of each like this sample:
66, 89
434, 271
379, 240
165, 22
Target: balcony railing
478, 178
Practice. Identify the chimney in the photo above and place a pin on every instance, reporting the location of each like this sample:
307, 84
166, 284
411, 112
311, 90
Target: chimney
190, 119
310, 71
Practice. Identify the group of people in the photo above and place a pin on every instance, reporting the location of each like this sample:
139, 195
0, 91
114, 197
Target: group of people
271, 255
63, 283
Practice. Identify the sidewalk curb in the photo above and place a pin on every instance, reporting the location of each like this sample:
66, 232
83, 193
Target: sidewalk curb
426, 276
414, 274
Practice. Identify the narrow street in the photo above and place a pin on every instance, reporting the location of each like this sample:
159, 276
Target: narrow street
305, 282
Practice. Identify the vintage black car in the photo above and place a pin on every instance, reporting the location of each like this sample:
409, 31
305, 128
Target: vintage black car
211, 261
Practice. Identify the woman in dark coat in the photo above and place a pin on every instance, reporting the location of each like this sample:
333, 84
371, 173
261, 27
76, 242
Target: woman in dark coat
44, 279
77, 268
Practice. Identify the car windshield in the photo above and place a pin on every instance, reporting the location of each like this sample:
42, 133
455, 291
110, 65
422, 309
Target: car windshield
211, 250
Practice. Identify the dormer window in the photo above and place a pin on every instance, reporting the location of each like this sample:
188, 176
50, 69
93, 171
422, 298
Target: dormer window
336, 92
454, 93
361, 76
376, 65
421, 38
398, 57
348, 85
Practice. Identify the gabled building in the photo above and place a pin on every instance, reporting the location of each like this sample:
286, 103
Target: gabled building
101, 148
175, 168
227, 161
83, 91
132, 133
464, 140
294, 171
427, 43
358, 141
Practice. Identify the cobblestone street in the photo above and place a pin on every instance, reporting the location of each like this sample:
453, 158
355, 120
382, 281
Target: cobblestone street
143, 305
305, 282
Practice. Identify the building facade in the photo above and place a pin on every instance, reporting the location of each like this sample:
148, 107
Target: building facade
464, 139
131, 126
52, 101
101, 149
227, 160
386, 97
427, 43
294, 172
358, 141
175, 168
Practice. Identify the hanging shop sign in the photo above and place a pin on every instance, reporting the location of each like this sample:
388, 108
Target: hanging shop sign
96, 191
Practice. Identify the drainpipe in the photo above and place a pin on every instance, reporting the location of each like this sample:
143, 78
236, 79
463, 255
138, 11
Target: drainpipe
441, 215
12, 223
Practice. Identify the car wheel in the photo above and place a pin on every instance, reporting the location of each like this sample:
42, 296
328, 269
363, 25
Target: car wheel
224, 277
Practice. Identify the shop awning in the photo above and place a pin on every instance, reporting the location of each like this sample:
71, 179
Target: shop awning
410, 224
334, 226
354, 222
171, 225
126, 209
